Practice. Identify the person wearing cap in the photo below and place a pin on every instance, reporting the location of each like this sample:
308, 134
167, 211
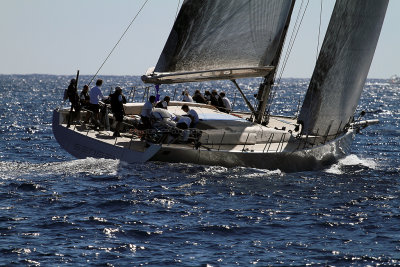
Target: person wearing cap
192, 114
117, 106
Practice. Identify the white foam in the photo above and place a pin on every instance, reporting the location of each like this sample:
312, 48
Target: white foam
242, 172
12, 170
351, 160
260, 173
355, 160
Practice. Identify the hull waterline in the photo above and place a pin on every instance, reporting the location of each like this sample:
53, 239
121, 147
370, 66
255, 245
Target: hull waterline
82, 146
301, 160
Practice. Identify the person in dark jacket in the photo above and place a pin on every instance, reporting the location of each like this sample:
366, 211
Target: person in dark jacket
84, 99
199, 98
117, 106
207, 96
72, 93
214, 98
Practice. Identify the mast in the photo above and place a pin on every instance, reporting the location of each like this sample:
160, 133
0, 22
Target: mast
265, 87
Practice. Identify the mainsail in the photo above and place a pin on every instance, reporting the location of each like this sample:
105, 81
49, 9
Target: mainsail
222, 39
342, 66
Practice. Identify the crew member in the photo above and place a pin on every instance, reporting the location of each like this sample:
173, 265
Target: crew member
117, 106
145, 114
192, 114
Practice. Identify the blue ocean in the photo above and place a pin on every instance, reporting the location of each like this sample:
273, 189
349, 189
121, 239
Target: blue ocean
56, 210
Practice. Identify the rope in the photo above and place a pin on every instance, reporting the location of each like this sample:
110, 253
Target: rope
319, 30
112, 50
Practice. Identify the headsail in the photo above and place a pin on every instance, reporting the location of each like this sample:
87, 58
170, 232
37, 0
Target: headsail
342, 67
222, 39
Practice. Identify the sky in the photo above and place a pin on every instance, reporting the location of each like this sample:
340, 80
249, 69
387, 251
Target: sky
62, 36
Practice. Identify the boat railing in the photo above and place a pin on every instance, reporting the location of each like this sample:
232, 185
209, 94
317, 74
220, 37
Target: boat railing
154, 135
304, 141
144, 96
159, 135
221, 141
73, 121
138, 93
234, 102
280, 144
245, 143
269, 142
271, 145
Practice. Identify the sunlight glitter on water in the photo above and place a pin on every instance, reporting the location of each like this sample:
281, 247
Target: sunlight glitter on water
57, 210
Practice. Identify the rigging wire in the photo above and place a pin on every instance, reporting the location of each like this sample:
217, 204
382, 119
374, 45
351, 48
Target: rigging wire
295, 31
292, 35
112, 50
293, 39
319, 30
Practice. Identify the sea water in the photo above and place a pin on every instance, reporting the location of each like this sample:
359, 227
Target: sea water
56, 210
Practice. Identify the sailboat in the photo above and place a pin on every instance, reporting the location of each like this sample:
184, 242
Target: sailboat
394, 79
229, 40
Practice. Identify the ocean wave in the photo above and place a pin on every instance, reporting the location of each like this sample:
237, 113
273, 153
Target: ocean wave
351, 160
241, 172
14, 170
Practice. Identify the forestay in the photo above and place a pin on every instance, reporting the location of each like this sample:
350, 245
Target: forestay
222, 39
342, 66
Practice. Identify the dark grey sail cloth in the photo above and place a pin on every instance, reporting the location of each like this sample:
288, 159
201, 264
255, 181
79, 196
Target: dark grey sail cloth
342, 66
222, 39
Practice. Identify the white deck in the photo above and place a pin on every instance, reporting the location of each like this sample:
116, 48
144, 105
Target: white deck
220, 131
125, 141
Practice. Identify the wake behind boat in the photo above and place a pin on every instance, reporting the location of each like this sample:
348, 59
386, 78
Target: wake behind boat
203, 46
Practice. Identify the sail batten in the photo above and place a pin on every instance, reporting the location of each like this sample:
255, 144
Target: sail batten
223, 34
342, 66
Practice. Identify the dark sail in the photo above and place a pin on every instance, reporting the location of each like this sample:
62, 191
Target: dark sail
342, 66
222, 39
